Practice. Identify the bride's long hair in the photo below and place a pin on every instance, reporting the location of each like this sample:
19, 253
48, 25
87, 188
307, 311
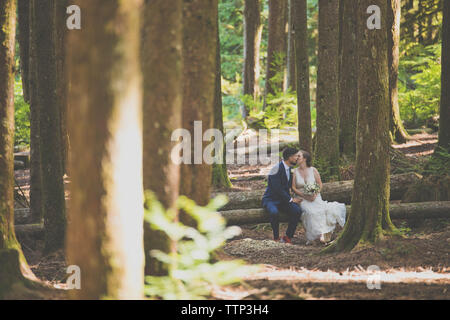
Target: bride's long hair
308, 158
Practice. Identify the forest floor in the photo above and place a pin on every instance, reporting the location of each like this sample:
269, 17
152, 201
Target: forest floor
415, 266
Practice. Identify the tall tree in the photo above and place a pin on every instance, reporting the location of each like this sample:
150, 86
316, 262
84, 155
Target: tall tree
302, 65
60, 31
369, 214
276, 47
220, 173
23, 9
105, 126
162, 56
397, 130
252, 42
199, 72
444, 119
291, 62
36, 201
348, 85
327, 143
14, 270
49, 128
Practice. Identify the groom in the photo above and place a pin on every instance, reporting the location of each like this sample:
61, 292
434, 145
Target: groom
277, 197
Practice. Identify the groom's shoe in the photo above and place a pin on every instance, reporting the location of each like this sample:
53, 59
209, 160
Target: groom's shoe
276, 239
286, 239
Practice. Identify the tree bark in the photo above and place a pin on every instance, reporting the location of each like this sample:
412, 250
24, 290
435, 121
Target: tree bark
444, 119
36, 201
276, 47
50, 130
60, 31
199, 61
302, 63
348, 85
327, 144
220, 177
369, 214
162, 56
13, 266
291, 62
333, 191
105, 126
252, 42
398, 132
24, 44
421, 210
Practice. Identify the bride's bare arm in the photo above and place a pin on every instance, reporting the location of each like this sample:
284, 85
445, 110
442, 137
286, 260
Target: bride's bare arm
318, 180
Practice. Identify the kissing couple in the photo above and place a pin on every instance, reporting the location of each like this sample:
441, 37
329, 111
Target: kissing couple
296, 192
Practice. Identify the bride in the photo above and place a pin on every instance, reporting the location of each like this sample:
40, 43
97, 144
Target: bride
319, 217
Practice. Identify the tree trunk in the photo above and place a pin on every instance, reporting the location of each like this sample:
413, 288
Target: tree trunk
327, 150
24, 45
252, 41
36, 201
444, 119
421, 210
161, 55
369, 214
220, 177
13, 265
333, 191
60, 31
348, 85
105, 126
199, 61
398, 132
291, 62
276, 47
302, 63
50, 130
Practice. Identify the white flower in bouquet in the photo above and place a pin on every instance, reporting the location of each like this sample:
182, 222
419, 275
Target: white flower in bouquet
312, 188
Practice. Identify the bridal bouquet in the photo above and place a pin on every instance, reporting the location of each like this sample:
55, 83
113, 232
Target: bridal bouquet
312, 188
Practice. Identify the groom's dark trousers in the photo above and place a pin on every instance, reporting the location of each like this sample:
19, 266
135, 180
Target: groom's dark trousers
276, 199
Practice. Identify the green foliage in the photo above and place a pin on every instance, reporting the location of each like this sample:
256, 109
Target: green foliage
420, 84
21, 116
191, 274
439, 163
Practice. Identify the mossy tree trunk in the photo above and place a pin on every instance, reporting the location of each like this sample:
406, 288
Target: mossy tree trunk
105, 234
35, 151
252, 42
444, 119
398, 132
302, 65
220, 177
327, 144
369, 214
276, 47
348, 85
49, 127
163, 88
199, 73
24, 44
13, 266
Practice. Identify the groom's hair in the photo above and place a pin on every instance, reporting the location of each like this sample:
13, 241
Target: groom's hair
288, 152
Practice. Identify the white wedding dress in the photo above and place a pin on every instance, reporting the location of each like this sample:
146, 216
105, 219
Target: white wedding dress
318, 217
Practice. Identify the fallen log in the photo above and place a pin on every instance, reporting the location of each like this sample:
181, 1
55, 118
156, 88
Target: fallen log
340, 191
35, 231
421, 210
22, 215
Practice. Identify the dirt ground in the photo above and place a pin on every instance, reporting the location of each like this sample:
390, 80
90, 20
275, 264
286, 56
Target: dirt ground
415, 266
